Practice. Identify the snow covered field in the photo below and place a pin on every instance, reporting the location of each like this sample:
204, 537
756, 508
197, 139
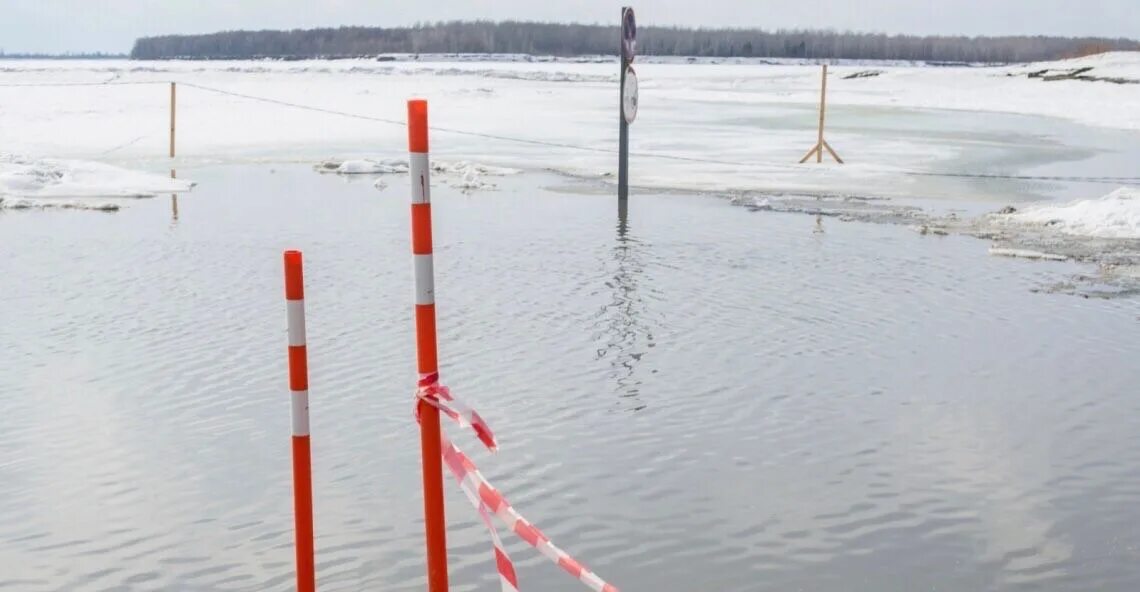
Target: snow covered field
907, 131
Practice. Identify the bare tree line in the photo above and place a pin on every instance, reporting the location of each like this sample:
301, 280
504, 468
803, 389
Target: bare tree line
513, 37
98, 55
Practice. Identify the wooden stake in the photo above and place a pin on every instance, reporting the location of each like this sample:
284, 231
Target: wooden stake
822, 144
832, 151
173, 93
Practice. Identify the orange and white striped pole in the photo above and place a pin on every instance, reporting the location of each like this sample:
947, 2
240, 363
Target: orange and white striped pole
434, 522
299, 393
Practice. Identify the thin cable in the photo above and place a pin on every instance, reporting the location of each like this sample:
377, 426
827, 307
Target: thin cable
528, 141
124, 145
672, 157
293, 105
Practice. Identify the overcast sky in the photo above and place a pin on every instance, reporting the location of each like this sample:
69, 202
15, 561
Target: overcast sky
112, 25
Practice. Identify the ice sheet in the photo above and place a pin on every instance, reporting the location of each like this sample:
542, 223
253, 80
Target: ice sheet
22, 177
732, 125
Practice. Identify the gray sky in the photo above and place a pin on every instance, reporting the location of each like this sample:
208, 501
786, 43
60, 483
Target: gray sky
112, 25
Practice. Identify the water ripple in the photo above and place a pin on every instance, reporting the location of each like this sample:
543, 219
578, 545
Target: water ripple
689, 397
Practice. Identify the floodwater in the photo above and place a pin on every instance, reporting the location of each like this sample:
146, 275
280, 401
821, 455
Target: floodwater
688, 397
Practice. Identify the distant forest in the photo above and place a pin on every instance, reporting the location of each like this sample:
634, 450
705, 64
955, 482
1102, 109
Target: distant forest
62, 56
574, 40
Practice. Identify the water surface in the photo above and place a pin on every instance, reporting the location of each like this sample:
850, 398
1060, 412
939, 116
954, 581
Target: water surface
689, 397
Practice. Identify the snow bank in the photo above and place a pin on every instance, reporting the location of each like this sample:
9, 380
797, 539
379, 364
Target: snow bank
1115, 65
1116, 215
48, 178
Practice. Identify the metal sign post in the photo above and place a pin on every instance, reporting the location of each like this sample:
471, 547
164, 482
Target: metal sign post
627, 105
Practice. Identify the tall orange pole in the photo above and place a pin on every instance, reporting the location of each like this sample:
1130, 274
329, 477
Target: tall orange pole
434, 521
299, 393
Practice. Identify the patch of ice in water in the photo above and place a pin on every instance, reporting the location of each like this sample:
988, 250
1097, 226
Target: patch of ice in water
464, 167
845, 207
468, 176
1110, 281
362, 166
464, 175
56, 204
1094, 232
1026, 254
41, 178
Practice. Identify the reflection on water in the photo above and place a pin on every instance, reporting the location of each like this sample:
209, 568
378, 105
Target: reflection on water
625, 335
623, 219
173, 201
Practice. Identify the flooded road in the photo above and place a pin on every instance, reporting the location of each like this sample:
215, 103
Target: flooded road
689, 396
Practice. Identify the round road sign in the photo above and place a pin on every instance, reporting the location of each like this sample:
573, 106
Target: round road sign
629, 96
628, 34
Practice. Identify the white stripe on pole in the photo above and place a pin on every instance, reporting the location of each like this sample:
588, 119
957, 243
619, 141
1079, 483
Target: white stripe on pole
425, 279
296, 311
300, 412
421, 177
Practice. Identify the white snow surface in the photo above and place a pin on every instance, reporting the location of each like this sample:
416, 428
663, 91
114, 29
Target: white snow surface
1116, 215
715, 125
22, 177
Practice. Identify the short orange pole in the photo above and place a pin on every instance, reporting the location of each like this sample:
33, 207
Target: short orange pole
299, 393
434, 522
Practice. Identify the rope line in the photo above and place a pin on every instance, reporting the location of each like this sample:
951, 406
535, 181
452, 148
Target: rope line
125, 144
610, 151
293, 105
673, 157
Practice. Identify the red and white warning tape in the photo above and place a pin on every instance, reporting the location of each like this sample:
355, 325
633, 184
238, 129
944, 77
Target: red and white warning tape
486, 499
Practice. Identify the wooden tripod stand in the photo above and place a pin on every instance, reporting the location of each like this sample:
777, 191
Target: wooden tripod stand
822, 144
